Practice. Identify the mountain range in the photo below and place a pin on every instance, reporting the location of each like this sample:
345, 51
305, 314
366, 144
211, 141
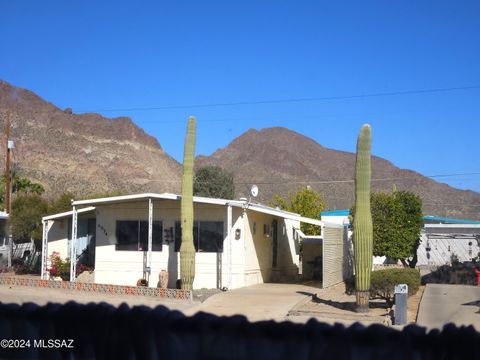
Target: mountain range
89, 154
83, 154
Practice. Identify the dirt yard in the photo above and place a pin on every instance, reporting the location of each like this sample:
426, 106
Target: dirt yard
333, 305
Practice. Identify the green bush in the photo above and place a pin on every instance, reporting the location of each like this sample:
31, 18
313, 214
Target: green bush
383, 282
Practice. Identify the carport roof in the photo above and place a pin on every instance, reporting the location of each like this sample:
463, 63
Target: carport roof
68, 213
443, 220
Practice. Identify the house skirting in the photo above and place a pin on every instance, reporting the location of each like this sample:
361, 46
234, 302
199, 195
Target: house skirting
177, 294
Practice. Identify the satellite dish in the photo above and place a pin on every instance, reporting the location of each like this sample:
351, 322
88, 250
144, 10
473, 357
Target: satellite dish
254, 190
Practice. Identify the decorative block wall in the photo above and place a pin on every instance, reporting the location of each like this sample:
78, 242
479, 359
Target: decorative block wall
177, 294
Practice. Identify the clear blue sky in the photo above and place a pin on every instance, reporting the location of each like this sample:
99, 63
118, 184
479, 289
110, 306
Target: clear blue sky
92, 55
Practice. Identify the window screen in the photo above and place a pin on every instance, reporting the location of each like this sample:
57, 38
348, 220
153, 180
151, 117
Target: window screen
207, 236
132, 235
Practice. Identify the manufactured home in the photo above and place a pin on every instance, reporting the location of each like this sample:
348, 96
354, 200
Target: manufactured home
237, 242
445, 238
3, 238
440, 239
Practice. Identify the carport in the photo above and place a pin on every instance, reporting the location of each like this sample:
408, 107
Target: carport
327, 257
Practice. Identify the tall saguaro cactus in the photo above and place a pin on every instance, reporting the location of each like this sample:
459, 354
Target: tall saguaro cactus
362, 225
187, 249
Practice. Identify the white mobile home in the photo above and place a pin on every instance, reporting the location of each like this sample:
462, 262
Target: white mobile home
131, 237
440, 242
3, 238
3, 224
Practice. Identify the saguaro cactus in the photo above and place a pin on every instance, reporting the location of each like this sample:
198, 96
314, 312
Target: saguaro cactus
187, 249
362, 225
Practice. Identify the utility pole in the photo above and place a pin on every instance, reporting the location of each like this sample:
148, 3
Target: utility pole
8, 146
7, 162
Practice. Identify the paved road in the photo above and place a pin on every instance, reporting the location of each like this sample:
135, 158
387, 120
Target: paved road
442, 304
42, 296
258, 302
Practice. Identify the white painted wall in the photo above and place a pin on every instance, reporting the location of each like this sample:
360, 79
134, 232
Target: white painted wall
259, 255
57, 232
249, 256
126, 267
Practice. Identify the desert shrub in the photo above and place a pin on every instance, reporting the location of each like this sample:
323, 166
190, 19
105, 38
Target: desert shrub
459, 273
383, 282
61, 268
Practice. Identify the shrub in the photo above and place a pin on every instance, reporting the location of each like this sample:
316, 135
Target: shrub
61, 268
460, 273
383, 283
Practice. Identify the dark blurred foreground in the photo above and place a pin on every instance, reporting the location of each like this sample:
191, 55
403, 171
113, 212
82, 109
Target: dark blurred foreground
101, 331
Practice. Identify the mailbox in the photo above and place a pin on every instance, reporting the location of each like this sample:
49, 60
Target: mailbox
401, 296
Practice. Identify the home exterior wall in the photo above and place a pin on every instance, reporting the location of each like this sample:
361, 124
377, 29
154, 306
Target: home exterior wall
57, 232
3, 228
247, 256
288, 249
312, 260
259, 249
126, 267
57, 238
3, 241
258, 255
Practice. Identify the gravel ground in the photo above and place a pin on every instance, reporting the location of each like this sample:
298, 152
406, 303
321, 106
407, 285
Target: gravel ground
333, 305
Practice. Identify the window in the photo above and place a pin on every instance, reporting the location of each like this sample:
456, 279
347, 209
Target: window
132, 235
266, 230
207, 236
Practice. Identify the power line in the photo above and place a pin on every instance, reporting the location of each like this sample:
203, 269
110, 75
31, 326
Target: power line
306, 181
352, 180
292, 100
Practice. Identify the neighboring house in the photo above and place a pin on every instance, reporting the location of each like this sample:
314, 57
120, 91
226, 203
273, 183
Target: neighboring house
440, 238
444, 237
3, 238
137, 236
3, 224
337, 216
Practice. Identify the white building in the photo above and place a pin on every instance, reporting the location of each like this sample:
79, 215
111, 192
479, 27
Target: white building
137, 236
3, 238
440, 238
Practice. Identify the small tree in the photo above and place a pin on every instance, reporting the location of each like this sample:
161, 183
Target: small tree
214, 182
26, 217
397, 222
19, 185
306, 202
62, 204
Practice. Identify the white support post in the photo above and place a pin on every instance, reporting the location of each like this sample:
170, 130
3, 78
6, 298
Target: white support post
150, 228
44, 275
73, 247
230, 243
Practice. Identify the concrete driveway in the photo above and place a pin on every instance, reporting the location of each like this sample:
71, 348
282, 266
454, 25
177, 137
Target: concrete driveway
442, 304
256, 302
